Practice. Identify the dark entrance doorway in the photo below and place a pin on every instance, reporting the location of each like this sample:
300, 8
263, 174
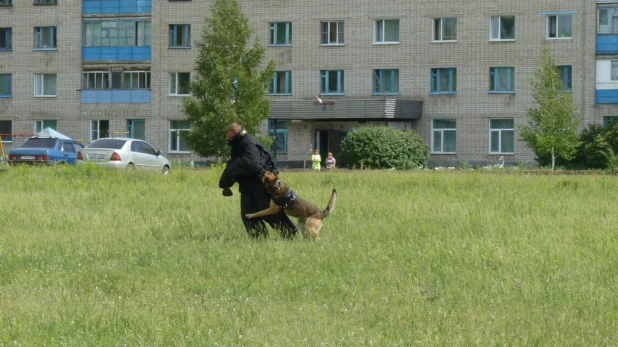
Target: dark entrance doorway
328, 141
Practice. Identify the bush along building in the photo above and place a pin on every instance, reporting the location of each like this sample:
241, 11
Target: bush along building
458, 73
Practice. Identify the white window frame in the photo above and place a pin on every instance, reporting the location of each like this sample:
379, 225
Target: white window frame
273, 27
39, 85
143, 79
173, 81
499, 132
441, 131
326, 31
439, 37
40, 124
100, 77
176, 131
95, 129
499, 34
379, 32
611, 13
557, 22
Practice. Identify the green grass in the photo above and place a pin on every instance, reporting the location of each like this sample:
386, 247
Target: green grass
90, 257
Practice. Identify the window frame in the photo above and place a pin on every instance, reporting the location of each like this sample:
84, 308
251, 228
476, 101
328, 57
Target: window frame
45, 2
378, 75
566, 76
178, 136
283, 131
273, 31
435, 74
500, 39
500, 135
92, 32
273, 86
40, 85
175, 76
434, 37
8, 39
8, 85
510, 80
557, 22
6, 139
326, 32
39, 35
42, 123
610, 19
186, 36
379, 26
325, 79
8, 3
98, 129
613, 70
442, 131
131, 128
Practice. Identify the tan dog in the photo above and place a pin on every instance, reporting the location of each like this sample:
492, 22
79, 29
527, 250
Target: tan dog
309, 216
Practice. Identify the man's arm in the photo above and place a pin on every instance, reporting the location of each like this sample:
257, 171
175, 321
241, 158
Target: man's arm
245, 165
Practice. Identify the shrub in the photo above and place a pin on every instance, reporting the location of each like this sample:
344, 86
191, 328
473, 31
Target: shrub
380, 147
598, 145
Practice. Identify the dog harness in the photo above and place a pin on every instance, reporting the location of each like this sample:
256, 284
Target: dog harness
287, 200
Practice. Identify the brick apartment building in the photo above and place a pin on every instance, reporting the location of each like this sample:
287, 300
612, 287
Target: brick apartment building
458, 72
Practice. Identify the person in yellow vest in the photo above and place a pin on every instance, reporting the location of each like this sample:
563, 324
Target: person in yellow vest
315, 160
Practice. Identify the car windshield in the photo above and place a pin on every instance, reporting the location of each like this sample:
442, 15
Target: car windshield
107, 143
40, 143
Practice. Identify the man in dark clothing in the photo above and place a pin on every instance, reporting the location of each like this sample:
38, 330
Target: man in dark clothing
249, 157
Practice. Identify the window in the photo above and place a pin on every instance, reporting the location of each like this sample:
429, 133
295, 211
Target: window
332, 33
614, 74
386, 81
281, 83
116, 80
45, 38
444, 81
178, 133
6, 2
136, 128
281, 34
332, 82
6, 129
118, 33
501, 80
501, 135
444, 136
565, 72
6, 39
179, 83
607, 20
99, 129
445, 29
386, 31
136, 80
560, 26
45, 2
502, 28
609, 120
180, 36
39, 125
280, 131
5, 85
45, 85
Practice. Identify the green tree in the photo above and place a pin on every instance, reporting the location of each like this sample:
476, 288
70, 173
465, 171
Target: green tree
552, 127
229, 87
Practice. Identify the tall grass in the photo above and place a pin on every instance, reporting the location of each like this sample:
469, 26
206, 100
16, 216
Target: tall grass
95, 257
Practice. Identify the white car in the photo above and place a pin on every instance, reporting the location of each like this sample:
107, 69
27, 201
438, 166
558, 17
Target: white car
124, 153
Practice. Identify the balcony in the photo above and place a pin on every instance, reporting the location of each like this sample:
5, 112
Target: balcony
120, 7
607, 44
115, 96
129, 53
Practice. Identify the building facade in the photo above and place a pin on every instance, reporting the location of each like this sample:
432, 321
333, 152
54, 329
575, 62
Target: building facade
457, 72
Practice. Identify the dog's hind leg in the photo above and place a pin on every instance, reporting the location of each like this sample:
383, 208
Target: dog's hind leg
302, 227
313, 228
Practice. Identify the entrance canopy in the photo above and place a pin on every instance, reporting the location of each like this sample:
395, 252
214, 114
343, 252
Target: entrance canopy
347, 109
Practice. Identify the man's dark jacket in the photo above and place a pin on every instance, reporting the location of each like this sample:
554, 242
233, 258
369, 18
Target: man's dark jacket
248, 158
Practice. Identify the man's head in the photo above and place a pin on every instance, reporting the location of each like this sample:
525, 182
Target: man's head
233, 130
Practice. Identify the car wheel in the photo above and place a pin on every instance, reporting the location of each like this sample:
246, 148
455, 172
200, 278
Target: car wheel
131, 167
166, 170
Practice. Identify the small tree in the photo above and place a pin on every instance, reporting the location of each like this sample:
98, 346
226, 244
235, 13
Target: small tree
552, 128
383, 147
229, 86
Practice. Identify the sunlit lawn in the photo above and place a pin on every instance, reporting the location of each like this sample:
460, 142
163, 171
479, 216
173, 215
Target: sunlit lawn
91, 257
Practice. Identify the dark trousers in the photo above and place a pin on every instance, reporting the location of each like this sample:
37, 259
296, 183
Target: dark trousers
257, 200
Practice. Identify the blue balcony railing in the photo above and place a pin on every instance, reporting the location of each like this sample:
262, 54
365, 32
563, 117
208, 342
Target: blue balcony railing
607, 44
133, 96
606, 96
117, 6
131, 53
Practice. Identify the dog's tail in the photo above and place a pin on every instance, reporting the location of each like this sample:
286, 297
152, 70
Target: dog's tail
331, 204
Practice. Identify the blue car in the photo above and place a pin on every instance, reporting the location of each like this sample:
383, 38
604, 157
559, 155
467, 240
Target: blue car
46, 150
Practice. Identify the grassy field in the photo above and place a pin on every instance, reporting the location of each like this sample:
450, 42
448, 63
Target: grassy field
90, 257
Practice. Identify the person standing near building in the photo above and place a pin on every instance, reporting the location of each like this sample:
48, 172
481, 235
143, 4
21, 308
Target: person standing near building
316, 160
248, 159
330, 162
